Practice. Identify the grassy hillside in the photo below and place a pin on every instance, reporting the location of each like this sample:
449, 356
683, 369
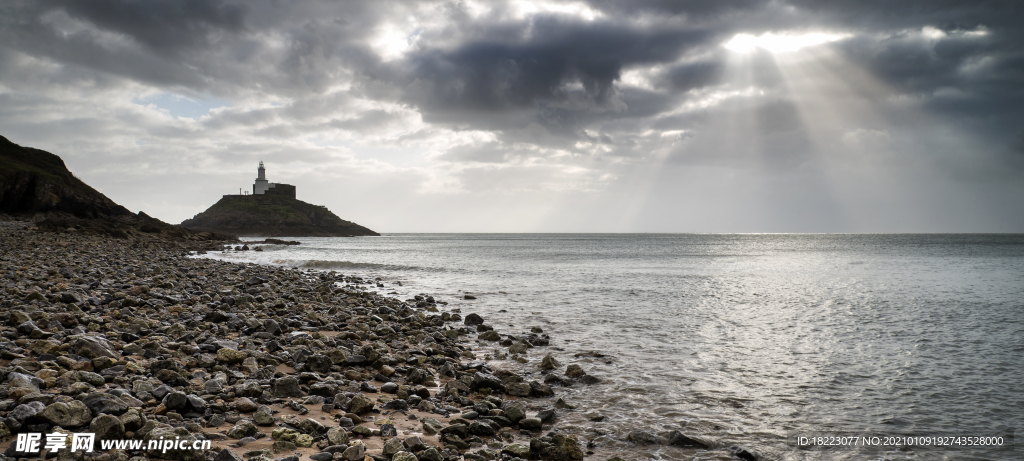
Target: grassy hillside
272, 216
33, 180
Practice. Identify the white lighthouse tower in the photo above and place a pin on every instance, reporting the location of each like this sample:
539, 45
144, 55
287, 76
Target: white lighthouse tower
261, 185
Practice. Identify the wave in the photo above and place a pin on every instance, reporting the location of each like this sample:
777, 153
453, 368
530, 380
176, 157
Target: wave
336, 265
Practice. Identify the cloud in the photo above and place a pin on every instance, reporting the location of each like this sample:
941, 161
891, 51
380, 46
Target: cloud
536, 105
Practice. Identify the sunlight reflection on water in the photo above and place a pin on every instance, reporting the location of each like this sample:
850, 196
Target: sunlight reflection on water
740, 338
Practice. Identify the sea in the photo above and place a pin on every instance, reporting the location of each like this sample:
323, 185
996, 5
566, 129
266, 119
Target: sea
792, 346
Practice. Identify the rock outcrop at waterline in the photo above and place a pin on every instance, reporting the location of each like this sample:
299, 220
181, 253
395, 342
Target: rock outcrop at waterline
272, 216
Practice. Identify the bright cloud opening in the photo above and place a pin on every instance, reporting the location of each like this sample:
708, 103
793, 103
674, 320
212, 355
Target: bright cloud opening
779, 43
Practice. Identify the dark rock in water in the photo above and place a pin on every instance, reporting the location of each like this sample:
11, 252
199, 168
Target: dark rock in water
515, 412
589, 379
470, 297
540, 390
474, 319
547, 416
549, 363
644, 438
280, 242
530, 423
518, 389
487, 381
561, 448
679, 439
574, 371
742, 453
490, 335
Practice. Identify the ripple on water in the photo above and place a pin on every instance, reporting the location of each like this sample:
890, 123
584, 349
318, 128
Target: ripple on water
744, 338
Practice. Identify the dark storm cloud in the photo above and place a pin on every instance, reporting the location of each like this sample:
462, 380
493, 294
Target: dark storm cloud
219, 47
686, 77
494, 76
163, 26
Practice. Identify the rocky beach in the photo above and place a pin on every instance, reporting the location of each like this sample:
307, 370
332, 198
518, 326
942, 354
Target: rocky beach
141, 339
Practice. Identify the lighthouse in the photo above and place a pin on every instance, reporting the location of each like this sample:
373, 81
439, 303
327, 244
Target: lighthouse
261, 185
264, 187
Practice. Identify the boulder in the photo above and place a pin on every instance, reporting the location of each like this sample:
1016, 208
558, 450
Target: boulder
231, 356
107, 427
392, 446
91, 347
337, 436
574, 371
354, 453
243, 428
360, 404
549, 363
287, 387
70, 414
99, 402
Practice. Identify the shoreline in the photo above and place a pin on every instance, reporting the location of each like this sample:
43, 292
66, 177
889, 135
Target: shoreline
221, 343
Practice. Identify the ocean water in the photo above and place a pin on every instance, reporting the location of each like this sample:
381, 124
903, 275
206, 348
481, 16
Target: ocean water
749, 340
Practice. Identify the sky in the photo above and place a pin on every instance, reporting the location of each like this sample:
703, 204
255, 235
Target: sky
537, 116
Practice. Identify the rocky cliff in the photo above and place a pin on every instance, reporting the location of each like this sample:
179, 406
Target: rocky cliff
34, 181
272, 216
36, 185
